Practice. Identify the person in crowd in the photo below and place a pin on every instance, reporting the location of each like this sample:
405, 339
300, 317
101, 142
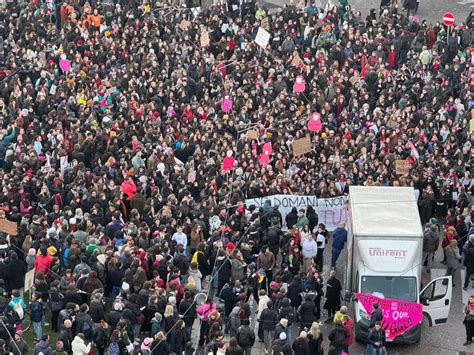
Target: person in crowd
268, 320
376, 339
337, 337
430, 244
339, 239
469, 320
333, 295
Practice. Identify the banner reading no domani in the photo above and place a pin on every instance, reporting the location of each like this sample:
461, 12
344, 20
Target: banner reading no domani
331, 211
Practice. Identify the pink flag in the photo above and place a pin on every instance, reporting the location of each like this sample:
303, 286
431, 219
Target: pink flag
299, 85
414, 151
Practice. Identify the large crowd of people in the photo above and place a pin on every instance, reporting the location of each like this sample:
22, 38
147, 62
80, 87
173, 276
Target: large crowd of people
116, 118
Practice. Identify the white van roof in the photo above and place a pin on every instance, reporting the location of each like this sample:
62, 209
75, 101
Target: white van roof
384, 211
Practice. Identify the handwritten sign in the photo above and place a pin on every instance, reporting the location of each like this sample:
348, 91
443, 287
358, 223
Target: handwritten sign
398, 316
29, 279
262, 38
331, 211
301, 146
205, 40
402, 167
264, 23
252, 134
8, 227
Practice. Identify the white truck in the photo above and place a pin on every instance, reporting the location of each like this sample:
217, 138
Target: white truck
385, 244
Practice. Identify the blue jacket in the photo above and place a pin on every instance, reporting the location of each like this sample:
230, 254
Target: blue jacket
36, 311
339, 238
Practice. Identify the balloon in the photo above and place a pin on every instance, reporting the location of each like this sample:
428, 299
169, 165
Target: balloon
299, 85
314, 123
226, 104
267, 149
65, 65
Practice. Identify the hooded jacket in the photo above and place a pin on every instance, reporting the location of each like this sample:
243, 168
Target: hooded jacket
79, 347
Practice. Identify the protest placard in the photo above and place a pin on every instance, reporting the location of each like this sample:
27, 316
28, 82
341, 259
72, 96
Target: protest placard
263, 37
252, 134
302, 146
8, 227
29, 279
402, 167
205, 40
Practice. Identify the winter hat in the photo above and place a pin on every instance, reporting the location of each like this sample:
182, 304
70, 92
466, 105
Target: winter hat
303, 334
59, 345
235, 310
240, 210
158, 316
52, 250
230, 246
284, 322
32, 252
283, 336
471, 238
146, 343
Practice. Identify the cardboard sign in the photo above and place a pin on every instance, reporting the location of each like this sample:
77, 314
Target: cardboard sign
205, 40
263, 37
398, 316
184, 24
8, 227
29, 279
402, 167
296, 61
302, 146
252, 134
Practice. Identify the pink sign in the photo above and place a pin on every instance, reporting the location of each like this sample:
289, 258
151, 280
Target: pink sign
264, 159
228, 162
65, 65
299, 85
314, 123
226, 104
267, 149
398, 316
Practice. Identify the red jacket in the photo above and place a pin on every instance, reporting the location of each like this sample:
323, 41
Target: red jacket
348, 325
43, 263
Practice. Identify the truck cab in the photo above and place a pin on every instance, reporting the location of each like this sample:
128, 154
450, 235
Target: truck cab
385, 244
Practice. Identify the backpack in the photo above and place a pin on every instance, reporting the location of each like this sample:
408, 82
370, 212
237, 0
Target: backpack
113, 349
245, 337
19, 310
340, 337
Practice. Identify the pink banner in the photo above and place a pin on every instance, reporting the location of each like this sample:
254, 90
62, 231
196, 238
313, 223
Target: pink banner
398, 316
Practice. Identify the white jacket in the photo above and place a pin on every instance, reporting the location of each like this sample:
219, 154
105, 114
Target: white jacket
79, 347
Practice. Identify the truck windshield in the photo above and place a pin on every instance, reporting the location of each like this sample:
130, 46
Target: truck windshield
395, 287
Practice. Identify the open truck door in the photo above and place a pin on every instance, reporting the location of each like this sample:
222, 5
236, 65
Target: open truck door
436, 300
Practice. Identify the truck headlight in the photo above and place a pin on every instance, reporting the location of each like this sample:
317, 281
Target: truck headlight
363, 314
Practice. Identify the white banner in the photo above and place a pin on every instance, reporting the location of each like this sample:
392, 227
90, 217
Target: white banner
331, 211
